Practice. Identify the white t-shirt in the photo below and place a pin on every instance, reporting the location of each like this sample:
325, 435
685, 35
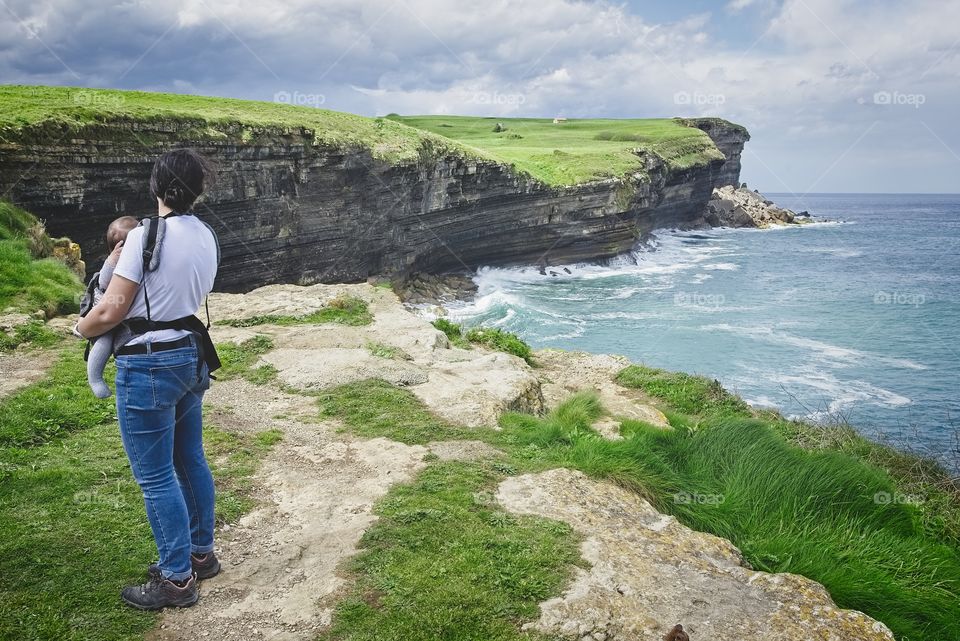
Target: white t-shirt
184, 277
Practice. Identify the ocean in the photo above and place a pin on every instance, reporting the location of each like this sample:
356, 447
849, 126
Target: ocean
853, 318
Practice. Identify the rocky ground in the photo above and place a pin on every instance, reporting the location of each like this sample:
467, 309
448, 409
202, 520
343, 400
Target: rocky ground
741, 207
317, 488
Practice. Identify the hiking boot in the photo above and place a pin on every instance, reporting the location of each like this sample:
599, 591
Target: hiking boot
205, 566
159, 592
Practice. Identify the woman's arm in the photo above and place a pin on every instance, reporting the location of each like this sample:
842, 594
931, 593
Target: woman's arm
111, 309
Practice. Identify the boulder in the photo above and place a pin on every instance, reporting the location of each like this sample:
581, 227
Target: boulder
648, 573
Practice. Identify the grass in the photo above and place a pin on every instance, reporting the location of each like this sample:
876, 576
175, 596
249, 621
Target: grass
444, 562
234, 457
37, 113
29, 283
574, 152
35, 333
72, 525
56, 406
391, 352
500, 340
238, 360
492, 337
454, 332
686, 393
578, 150
345, 310
376, 408
697, 397
789, 509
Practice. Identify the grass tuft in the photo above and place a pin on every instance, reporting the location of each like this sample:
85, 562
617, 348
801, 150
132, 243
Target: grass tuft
34, 333
382, 350
500, 340
685, 392
376, 408
492, 337
238, 360
345, 310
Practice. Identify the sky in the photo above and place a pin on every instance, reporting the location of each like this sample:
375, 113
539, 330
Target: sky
838, 95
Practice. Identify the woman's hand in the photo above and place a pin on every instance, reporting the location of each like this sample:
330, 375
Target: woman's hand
111, 309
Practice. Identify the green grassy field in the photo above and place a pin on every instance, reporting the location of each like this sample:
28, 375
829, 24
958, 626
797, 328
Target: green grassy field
556, 154
29, 112
575, 151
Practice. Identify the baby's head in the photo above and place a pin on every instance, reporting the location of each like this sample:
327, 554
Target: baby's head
119, 229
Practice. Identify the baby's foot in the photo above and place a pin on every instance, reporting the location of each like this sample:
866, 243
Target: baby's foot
100, 389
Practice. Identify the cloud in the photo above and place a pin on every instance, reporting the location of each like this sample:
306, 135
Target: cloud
739, 5
802, 74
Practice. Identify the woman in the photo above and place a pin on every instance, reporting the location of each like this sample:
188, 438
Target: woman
161, 378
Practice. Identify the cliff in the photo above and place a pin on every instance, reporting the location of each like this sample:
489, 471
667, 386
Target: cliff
298, 204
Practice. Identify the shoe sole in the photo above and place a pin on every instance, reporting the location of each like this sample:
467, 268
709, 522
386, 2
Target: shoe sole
196, 597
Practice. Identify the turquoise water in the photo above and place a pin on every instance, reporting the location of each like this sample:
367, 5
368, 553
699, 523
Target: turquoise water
854, 319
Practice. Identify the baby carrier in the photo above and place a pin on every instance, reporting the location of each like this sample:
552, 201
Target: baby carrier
154, 230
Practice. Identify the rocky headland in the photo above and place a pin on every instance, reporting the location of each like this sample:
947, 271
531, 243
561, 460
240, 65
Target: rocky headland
303, 204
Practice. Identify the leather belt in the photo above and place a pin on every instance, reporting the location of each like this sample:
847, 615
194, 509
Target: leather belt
186, 341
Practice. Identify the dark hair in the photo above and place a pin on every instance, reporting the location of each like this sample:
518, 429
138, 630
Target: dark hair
118, 230
179, 177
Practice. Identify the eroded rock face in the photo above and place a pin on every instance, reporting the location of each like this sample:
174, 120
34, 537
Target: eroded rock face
289, 210
648, 573
466, 387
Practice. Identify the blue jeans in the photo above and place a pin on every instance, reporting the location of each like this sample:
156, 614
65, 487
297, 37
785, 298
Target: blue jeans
159, 407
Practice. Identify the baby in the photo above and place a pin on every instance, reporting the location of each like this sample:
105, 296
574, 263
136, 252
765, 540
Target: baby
101, 347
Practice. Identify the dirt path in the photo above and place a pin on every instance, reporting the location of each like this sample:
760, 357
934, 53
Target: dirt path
316, 490
19, 369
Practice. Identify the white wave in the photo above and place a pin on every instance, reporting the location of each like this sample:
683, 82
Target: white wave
839, 395
841, 355
764, 402
725, 267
